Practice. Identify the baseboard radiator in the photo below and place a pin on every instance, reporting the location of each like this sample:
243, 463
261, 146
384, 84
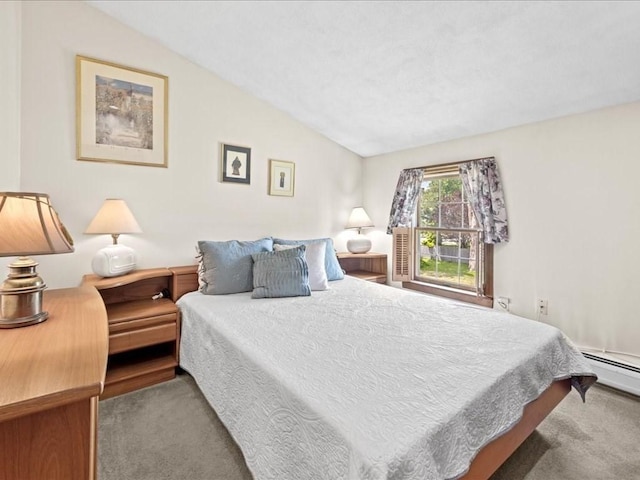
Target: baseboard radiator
615, 374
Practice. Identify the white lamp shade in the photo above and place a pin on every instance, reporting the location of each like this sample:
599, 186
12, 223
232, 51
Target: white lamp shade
114, 217
359, 219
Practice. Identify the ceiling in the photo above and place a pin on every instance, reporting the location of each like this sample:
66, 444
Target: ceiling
379, 77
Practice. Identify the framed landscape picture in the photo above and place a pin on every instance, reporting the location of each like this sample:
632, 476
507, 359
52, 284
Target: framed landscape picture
236, 164
121, 114
282, 176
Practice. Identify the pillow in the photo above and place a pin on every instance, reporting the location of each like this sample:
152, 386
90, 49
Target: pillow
280, 274
314, 255
227, 267
331, 264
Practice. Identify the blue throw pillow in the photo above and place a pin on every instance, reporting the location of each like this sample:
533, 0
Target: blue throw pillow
280, 274
331, 264
227, 267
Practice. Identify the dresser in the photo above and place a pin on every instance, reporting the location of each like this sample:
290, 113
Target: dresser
51, 375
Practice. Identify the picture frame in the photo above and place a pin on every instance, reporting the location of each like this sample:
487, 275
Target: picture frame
282, 177
121, 114
236, 164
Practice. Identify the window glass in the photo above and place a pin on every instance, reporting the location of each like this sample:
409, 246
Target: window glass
449, 246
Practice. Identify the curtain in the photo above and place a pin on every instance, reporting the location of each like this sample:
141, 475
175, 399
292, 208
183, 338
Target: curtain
481, 183
404, 199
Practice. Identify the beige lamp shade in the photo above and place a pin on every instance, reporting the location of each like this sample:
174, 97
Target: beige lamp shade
114, 218
30, 226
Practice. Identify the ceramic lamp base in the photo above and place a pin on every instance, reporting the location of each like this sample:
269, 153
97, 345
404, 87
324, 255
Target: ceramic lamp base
359, 244
114, 260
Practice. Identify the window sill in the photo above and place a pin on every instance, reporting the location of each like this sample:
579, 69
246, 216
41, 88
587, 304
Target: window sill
455, 294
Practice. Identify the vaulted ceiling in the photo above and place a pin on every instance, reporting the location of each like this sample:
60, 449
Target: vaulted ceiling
382, 76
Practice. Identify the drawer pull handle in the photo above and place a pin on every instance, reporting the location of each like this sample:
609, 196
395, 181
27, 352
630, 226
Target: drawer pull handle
165, 293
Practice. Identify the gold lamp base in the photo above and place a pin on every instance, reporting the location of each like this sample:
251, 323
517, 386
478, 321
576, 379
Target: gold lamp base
21, 295
23, 321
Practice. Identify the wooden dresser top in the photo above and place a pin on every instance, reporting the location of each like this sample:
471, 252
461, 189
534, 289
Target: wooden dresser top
58, 361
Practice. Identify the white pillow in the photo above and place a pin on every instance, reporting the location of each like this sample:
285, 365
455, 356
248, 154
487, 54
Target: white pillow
314, 256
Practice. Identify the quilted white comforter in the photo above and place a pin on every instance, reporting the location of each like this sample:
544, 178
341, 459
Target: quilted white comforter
365, 381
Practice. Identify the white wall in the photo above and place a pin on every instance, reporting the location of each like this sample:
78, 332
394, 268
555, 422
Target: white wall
177, 206
571, 188
10, 98
570, 184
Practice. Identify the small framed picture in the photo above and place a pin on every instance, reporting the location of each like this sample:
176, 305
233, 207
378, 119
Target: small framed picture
236, 164
282, 176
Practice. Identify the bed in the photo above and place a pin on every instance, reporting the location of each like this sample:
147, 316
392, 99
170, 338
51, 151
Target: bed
366, 382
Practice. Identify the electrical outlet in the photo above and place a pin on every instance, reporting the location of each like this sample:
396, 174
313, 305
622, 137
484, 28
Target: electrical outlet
503, 303
542, 307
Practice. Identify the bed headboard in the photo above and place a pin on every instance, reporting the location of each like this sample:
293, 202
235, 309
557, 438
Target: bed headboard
184, 280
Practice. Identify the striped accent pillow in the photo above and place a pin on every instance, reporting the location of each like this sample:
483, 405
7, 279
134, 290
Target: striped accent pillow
280, 274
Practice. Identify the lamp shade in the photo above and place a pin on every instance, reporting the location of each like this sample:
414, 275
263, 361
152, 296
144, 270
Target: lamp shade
114, 217
359, 219
30, 226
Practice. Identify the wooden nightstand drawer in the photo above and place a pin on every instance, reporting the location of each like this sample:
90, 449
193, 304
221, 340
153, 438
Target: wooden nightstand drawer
142, 323
121, 342
125, 312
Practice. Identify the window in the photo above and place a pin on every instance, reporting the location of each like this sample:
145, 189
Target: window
446, 255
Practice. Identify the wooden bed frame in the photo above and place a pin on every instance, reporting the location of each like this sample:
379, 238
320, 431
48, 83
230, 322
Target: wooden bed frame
494, 454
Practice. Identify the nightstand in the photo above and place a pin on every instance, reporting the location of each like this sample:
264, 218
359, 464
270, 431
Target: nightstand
367, 266
144, 333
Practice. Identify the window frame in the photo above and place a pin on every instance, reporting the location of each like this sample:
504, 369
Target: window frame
483, 294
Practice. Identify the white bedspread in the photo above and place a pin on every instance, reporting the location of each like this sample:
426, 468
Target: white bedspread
365, 381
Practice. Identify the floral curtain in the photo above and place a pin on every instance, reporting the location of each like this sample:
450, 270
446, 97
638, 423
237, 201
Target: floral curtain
481, 182
405, 197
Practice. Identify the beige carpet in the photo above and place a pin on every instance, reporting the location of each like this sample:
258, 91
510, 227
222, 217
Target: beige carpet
169, 432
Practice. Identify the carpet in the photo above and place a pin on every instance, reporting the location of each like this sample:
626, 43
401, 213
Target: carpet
169, 432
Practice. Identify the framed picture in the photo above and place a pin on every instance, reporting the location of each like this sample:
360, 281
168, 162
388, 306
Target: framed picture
282, 176
236, 164
121, 114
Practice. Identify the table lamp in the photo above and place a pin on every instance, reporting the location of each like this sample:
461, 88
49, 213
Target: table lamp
113, 218
28, 226
359, 219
